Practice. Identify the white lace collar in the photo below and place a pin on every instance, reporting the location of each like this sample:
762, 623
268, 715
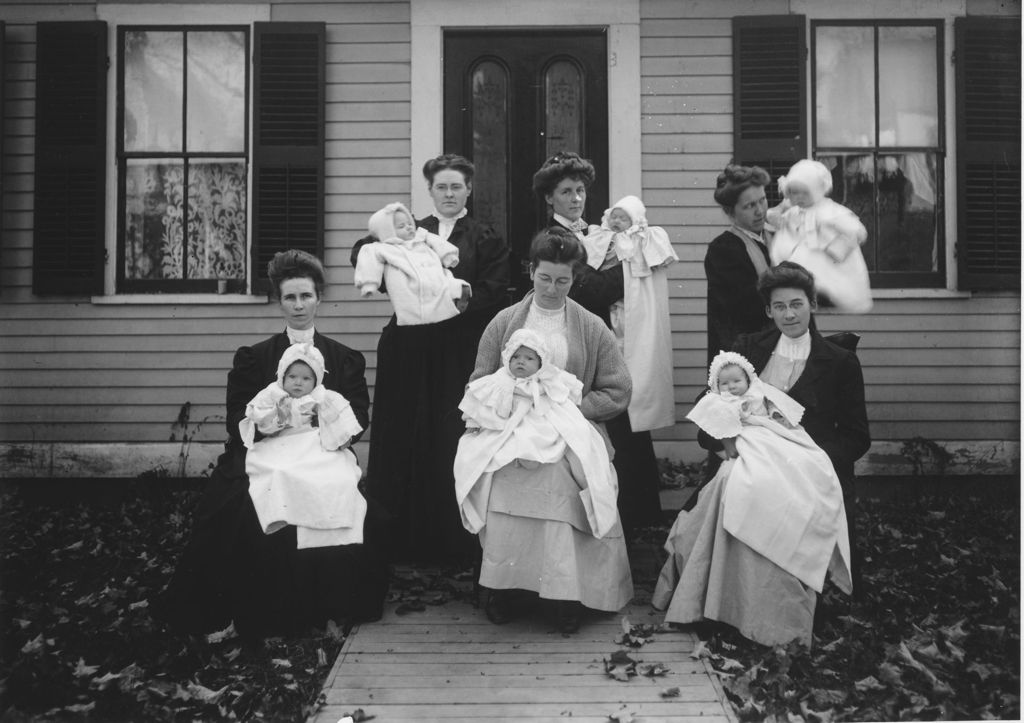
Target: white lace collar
300, 336
795, 349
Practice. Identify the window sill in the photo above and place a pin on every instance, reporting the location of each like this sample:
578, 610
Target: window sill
911, 293
177, 299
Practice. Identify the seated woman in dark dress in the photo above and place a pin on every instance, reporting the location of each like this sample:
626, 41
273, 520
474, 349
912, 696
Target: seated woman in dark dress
231, 571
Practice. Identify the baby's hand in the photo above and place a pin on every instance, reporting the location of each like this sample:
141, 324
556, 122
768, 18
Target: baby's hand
284, 410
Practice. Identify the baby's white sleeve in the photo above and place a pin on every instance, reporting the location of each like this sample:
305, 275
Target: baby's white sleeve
369, 269
716, 416
447, 252
262, 413
337, 421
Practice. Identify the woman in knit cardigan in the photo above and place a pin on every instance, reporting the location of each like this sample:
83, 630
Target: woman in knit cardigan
536, 536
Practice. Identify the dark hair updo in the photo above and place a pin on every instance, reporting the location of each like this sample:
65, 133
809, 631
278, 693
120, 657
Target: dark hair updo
565, 164
557, 245
734, 180
448, 162
295, 264
787, 275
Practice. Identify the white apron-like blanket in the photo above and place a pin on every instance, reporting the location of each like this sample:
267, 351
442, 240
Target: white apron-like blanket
544, 425
784, 499
293, 480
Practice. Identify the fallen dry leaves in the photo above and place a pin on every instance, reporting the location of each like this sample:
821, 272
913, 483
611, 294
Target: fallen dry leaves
935, 634
78, 640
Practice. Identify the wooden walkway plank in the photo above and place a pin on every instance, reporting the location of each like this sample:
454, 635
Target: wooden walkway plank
449, 662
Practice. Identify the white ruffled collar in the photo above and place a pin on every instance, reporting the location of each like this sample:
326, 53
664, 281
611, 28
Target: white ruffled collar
796, 349
578, 225
300, 336
449, 220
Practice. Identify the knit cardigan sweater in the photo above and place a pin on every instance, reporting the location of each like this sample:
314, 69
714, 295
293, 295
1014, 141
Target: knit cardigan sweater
594, 357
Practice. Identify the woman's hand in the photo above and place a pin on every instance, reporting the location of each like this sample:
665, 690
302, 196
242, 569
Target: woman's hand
463, 301
729, 443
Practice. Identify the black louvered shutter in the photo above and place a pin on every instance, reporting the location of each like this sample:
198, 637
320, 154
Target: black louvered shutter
70, 173
3, 74
288, 142
988, 152
769, 62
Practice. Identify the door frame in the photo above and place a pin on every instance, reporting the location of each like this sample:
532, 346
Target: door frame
430, 18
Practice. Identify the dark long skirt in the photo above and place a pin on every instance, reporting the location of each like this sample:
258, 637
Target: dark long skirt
415, 427
639, 478
232, 571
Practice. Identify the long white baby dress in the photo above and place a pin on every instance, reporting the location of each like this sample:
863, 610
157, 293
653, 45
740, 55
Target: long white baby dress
642, 323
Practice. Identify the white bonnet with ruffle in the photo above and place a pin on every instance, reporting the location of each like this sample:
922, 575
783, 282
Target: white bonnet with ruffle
633, 206
524, 337
812, 174
382, 223
724, 359
306, 353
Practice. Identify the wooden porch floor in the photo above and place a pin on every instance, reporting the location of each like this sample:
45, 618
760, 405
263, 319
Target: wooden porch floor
450, 663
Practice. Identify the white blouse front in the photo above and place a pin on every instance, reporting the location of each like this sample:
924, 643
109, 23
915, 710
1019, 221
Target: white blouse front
787, 361
551, 325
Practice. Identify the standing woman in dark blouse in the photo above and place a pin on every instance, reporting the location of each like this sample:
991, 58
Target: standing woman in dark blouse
737, 257
422, 371
562, 181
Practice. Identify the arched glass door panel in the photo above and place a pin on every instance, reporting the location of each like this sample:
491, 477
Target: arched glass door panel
563, 107
490, 118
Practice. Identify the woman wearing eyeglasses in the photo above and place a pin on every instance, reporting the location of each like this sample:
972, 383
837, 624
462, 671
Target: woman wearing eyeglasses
562, 182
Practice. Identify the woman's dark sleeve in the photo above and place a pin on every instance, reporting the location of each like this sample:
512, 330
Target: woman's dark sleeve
852, 438
352, 386
595, 291
245, 380
492, 279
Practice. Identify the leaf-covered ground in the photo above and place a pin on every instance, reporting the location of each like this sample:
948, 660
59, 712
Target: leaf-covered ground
77, 638
934, 635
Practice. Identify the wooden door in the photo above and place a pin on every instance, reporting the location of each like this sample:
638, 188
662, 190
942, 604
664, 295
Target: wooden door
512, 98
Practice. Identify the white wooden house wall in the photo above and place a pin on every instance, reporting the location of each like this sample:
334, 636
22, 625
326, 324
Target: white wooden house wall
92, 386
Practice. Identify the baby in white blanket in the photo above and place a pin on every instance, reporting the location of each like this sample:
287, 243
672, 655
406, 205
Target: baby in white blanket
301, 471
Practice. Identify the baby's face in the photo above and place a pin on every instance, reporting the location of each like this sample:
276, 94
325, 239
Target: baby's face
619, 220
523, 362
405, 229
299, 380
799, 195
733, 380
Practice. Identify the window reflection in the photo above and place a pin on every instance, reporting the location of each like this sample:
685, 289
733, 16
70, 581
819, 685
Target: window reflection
153, 83
909, 109
216, 91
563, 107
845, 86
490, 143
894, 194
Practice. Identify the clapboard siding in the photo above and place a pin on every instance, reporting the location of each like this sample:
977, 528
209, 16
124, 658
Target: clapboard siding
941, 368
938, 368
